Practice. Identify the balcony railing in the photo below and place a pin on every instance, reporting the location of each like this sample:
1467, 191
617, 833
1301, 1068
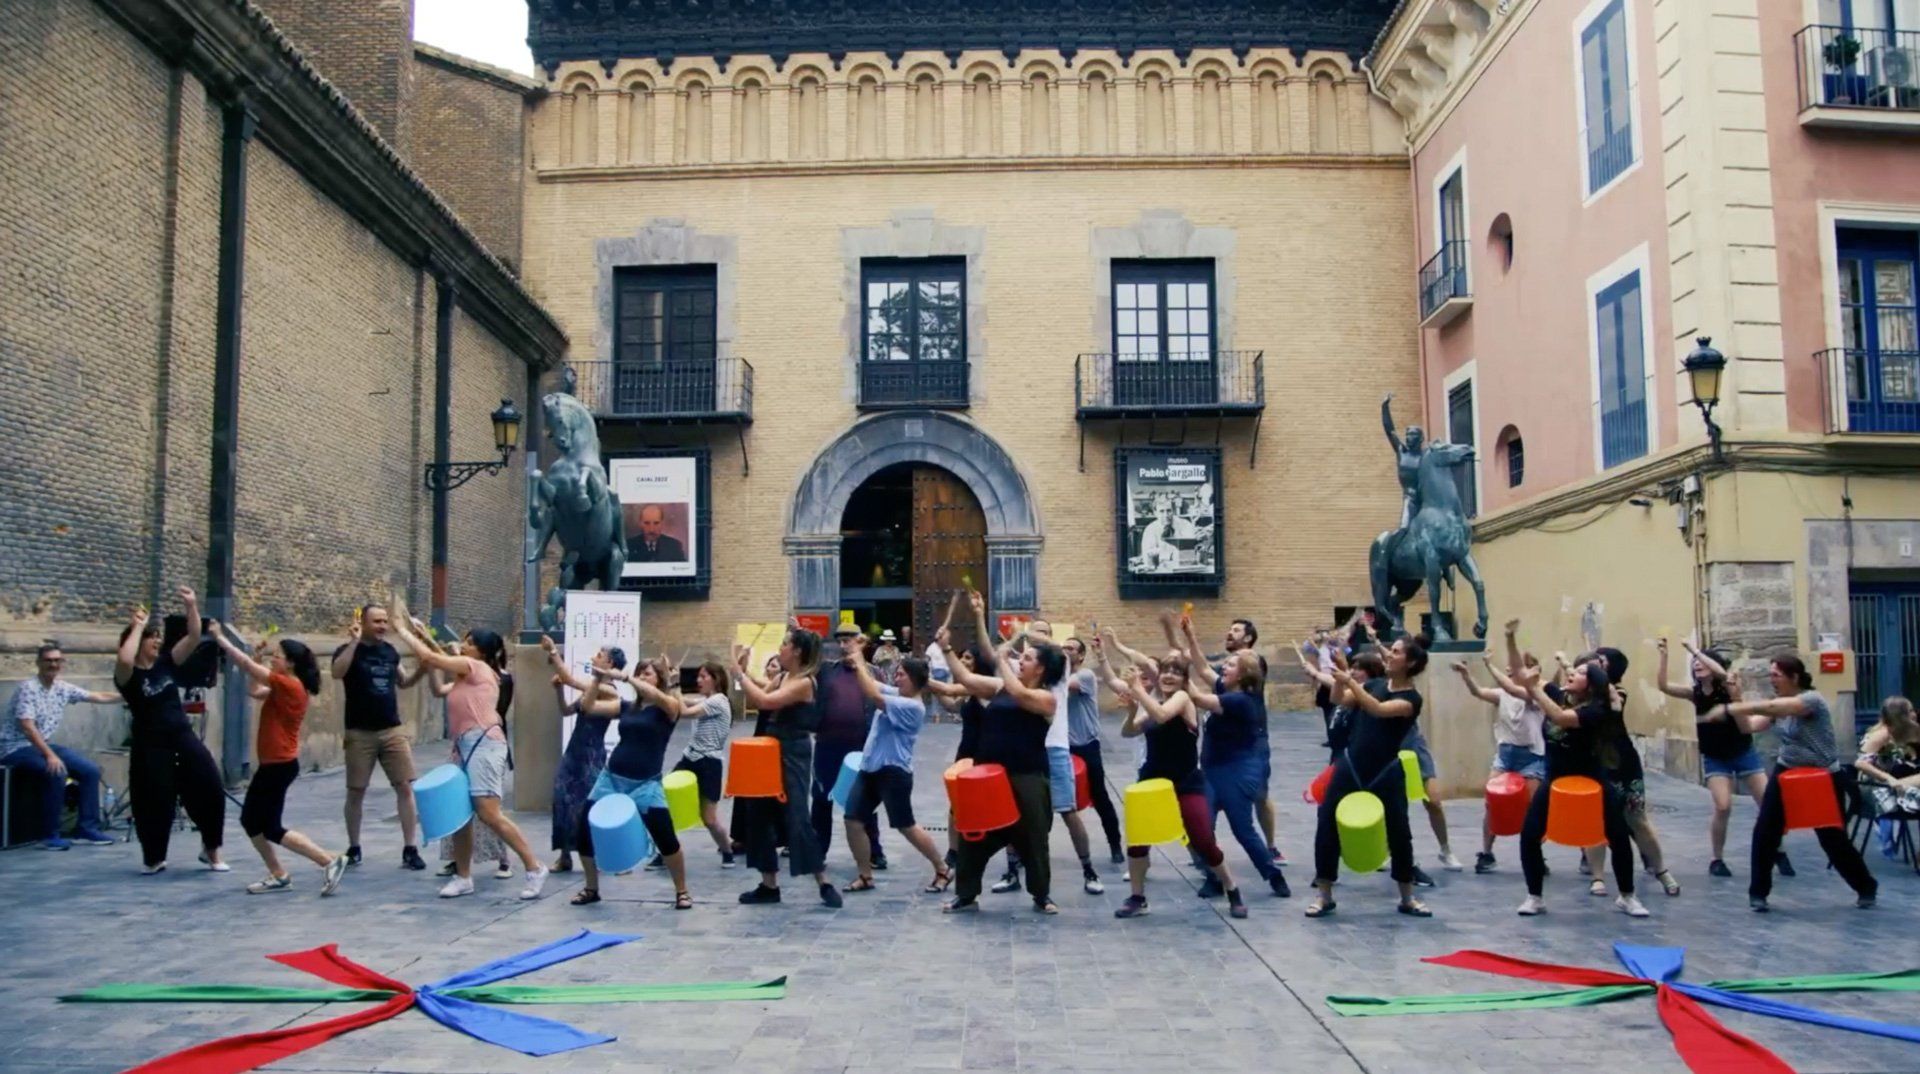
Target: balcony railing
1867, 77
716, 390
1623, 433
1870, 391
913, 383
1220, 382
1444, 294
1608, 157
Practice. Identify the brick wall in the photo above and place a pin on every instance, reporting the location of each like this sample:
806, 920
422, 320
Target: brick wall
466, 139
363, 47
488, 514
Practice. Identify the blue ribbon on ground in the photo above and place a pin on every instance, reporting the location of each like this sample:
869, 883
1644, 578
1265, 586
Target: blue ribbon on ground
523, 1033
1796, 1013
1653, 963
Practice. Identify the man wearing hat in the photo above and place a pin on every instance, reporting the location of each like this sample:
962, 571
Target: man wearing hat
845, 718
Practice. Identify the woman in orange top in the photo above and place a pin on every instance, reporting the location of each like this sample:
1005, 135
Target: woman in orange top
285, 683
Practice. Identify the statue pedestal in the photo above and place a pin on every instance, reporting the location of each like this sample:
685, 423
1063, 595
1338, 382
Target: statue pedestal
1458, 725
535, 727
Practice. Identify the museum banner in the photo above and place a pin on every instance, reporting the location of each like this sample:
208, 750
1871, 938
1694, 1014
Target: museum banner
1167, 515
594, 621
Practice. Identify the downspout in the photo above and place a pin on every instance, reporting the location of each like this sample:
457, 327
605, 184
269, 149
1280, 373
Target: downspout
237, 131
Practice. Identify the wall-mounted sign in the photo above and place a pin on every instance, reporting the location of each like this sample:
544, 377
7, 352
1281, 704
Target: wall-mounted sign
595, 621
1167, 512
664, 509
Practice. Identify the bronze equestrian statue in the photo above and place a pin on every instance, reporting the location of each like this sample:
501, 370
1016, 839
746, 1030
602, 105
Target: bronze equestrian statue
1434, 537
573, 502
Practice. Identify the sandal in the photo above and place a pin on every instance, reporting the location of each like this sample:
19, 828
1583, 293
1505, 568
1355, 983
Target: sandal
961, 906
1597, 889
1667, 882
586, 897
942, 880
1321, 908
862, 883
1415, 908
682, 900
1045, 906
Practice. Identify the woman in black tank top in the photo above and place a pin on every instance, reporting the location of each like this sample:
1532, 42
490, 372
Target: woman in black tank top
789, 714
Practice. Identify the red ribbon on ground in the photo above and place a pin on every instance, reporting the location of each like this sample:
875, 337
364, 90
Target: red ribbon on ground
1704, 1044
231, 1055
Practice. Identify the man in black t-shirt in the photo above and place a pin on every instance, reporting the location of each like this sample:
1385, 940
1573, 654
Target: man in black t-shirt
369, 670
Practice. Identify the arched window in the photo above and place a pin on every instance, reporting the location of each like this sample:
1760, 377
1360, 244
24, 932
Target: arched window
926, 115
582, 142
1326, 114
1269, 112
636, 120
752, 120
1208, 103
981, 117
696, 124
1099, 114
1153, 113
1037, 124
1500, 241
866, 118
809, 120
1510, 448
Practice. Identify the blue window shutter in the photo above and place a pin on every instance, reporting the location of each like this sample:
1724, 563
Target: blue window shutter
1623, 372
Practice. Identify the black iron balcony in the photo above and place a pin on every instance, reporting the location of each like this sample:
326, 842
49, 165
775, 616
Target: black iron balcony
1858, 77
886, 384
1444, 294
710, 390
1124, 385
1870, 390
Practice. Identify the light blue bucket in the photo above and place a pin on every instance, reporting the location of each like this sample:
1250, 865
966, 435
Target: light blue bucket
620, 840
443, 800
849, 772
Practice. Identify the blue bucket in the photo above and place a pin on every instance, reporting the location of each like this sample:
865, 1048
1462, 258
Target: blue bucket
442, 798
620, 840
843, 787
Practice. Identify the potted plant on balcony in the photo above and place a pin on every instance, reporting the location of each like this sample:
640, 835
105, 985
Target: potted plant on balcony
1840, 53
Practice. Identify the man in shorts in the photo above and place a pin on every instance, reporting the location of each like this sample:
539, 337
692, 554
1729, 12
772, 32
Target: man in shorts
368, 668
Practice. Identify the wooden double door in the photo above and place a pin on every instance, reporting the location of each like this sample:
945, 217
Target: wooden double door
949, 553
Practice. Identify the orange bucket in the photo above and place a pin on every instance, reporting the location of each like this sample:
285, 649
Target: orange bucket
1317, 790
1507, 801
753, 769
982, 801
1807, 794
1082, 796
1576, 814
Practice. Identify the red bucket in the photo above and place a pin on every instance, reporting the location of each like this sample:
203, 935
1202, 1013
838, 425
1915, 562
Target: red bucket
982, 801
1507, 801
1082, 797
1807, 794
753, 769
1317, 790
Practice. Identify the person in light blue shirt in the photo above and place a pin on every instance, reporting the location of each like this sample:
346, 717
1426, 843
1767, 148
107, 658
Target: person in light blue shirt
1083, 741
886, 766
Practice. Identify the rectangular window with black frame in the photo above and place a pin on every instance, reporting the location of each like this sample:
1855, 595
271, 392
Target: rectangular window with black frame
664, 342
1165, 348
1168, 514
914, 345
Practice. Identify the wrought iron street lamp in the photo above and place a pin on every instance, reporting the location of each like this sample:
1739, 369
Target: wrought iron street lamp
1704, 367
444, 477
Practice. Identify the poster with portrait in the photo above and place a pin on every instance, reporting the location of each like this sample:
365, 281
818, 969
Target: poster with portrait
659, 501
1168, 517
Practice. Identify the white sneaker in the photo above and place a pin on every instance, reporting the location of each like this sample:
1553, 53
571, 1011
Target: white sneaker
149, 870
1532, 906
336, 869
1449, 862
504, 872
1093, 886
536, 880
458, 886
215, 866
1630, 906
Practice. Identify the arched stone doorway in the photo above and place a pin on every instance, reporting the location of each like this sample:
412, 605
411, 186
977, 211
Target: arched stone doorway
958, 447
913, 533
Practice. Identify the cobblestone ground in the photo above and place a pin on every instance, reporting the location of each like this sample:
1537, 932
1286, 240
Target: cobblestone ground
888, 983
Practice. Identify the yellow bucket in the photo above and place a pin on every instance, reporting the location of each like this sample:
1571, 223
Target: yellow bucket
1362, 820
683, 799
1153, 814
1416, 787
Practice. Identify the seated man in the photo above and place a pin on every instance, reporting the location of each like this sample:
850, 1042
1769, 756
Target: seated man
26, 742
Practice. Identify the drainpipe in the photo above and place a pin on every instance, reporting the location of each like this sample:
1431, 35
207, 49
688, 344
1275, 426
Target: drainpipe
236, 136
444, 298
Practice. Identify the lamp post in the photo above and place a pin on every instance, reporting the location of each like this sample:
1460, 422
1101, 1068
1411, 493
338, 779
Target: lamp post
1704, 366
444, 477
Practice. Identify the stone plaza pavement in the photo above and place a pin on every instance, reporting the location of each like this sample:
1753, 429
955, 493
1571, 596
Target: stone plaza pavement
888, 983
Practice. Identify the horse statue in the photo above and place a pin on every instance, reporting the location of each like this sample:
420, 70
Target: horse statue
572, 501
1434, 542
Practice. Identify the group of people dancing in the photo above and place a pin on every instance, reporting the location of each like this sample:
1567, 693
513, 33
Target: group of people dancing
1028, 703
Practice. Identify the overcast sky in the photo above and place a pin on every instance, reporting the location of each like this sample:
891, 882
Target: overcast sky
491, 31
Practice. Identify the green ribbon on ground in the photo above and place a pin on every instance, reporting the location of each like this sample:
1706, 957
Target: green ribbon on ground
1892, 981
223, 993
1470, 1002
623, 993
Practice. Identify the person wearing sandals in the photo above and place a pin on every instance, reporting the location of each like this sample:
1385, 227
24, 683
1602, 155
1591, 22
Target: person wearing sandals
479, 746
1628, 777
713, 725
1889, 767
1583, 731
1020, 706
886, 768
634, 768
284, 683
788, 714
1727, 753
586, 751
1165, 716
168, 764
1803, 726
1381, 713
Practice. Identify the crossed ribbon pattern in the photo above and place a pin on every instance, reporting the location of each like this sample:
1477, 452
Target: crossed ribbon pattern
457, 1002
1704, 1044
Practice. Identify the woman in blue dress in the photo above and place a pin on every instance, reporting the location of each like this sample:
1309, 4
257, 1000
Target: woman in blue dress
586, 752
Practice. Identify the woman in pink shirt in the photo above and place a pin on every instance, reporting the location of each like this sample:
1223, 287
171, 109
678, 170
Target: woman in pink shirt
479, 746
